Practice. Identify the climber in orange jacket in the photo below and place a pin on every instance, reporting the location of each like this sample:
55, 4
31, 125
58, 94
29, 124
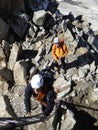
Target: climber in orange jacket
59, 51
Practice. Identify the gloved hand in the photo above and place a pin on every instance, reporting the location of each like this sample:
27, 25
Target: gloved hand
43, 118
59, 61
28, 114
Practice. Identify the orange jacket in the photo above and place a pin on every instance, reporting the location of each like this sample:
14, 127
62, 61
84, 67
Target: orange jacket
41, 94
59, 52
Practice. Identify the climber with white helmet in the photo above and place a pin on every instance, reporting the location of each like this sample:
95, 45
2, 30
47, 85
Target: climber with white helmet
59, 51
41, 92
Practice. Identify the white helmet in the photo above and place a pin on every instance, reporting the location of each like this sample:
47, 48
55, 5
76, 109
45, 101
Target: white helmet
37, 81
56, 40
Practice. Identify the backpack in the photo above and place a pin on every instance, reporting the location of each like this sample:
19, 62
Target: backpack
47, 76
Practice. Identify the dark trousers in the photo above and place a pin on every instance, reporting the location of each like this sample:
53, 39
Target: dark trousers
60, 65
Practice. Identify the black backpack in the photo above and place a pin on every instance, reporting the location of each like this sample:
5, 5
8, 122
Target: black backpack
47, 76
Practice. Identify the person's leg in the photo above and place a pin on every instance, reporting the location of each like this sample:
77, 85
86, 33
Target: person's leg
63, 64
56, 66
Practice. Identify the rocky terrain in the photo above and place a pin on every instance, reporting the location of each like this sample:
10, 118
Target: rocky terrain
27, 31
89, 10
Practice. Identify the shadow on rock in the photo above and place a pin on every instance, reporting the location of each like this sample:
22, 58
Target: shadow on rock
84, 121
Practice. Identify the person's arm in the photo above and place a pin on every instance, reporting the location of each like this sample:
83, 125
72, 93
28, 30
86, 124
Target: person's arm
53, 53
28, 94
65, 50
50, 102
